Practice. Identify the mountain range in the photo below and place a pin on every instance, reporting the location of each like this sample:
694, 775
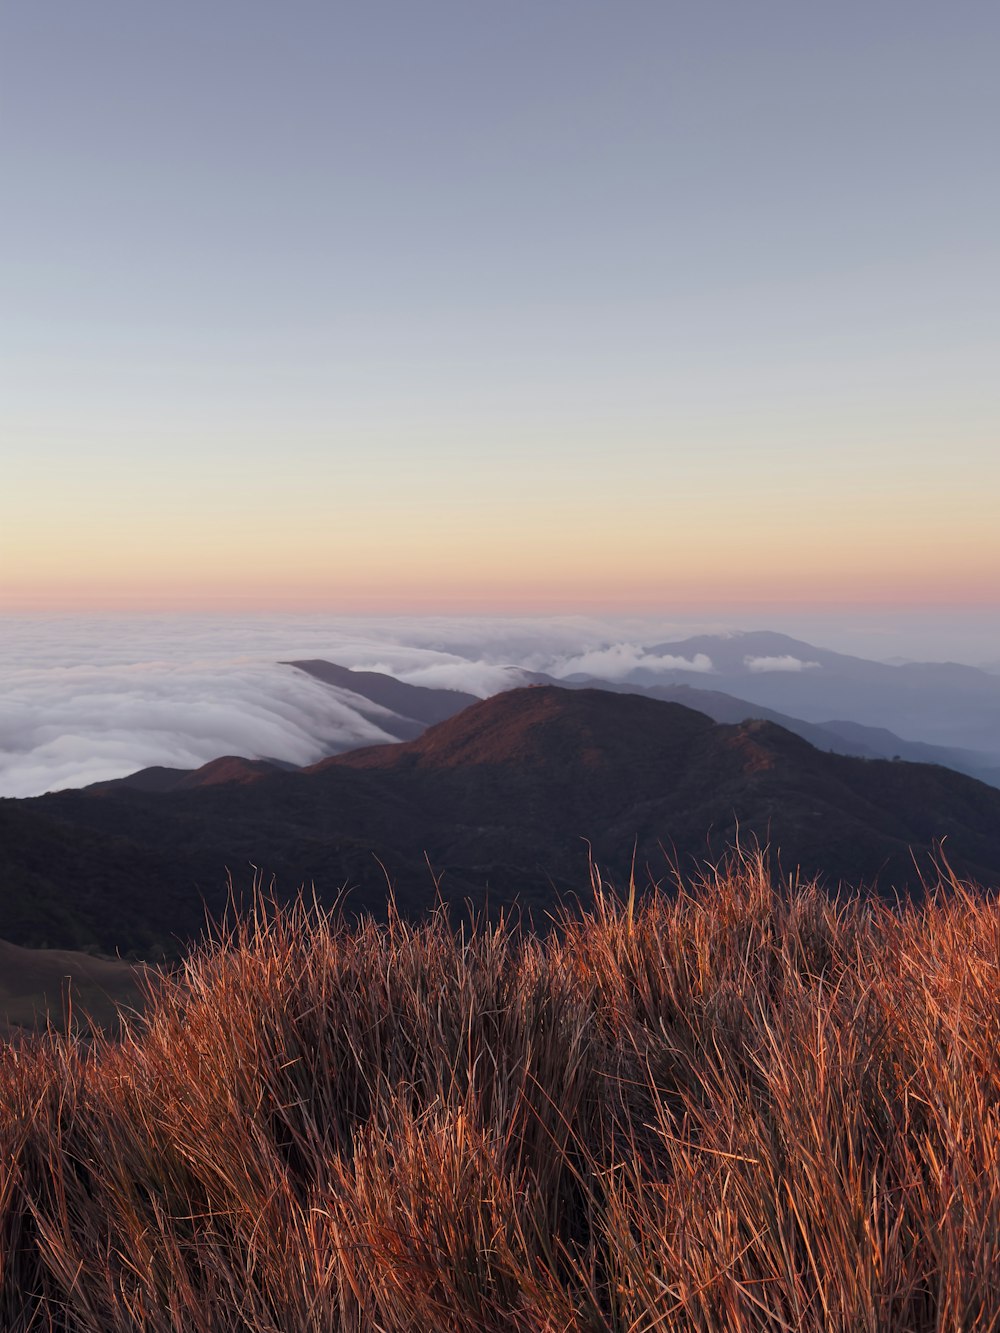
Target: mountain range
938, 703
403, 710
509, 798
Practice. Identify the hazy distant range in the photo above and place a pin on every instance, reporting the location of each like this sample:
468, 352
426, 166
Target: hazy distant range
101, 705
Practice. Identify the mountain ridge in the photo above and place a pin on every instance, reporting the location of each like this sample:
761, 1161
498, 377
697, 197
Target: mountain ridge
503, 801
427, 706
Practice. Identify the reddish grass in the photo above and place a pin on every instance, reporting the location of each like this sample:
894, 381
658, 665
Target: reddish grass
728, 1109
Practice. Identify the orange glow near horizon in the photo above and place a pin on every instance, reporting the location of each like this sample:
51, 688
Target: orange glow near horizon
503, 548
302, 340
486, 595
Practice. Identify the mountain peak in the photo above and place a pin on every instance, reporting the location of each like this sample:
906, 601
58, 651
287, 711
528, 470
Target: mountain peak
547, 726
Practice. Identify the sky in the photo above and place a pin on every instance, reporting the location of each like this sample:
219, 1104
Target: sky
542, 307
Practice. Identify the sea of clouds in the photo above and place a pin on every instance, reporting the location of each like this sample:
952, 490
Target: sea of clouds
85, 699
88, 698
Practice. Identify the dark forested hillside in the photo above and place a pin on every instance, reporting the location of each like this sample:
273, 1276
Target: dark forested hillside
507, 799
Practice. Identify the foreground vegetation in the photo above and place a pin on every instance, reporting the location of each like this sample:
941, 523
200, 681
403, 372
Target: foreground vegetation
728, 1109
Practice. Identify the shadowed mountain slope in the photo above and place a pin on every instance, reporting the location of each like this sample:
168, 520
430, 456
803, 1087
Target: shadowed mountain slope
503, 800
227, 768
51, 985
840, 736
418, 703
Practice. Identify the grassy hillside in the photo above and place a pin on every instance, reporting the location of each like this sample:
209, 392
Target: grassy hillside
63, 987
729, 1110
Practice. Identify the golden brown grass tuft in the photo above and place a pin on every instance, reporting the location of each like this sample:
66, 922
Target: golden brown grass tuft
726, 1109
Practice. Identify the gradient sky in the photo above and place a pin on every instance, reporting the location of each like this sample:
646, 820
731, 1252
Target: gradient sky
524, 306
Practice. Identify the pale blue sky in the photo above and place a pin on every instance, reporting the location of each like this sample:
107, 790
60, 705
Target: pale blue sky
399, 263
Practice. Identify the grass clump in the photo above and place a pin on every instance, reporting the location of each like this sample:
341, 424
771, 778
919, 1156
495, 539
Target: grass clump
724, 1109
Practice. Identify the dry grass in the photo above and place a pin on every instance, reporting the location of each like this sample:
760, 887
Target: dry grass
725, 1110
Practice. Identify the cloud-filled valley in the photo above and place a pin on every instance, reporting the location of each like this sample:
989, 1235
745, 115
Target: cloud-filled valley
84, 700
70, 726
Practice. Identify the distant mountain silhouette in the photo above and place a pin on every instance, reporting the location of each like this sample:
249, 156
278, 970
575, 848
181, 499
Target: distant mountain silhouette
937, 703
503, 800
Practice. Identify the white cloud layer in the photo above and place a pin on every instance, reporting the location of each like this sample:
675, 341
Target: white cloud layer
84, 699
68, 726
620, 660
785, 663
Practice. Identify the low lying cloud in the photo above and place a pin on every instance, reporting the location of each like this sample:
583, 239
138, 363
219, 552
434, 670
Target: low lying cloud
85, 699
786, 663
700, 662
88, 698
621, 660
69, 726
479, 678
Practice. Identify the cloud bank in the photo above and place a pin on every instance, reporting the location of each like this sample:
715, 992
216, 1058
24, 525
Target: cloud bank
85, 699
620, 660
785, 663
68, 726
